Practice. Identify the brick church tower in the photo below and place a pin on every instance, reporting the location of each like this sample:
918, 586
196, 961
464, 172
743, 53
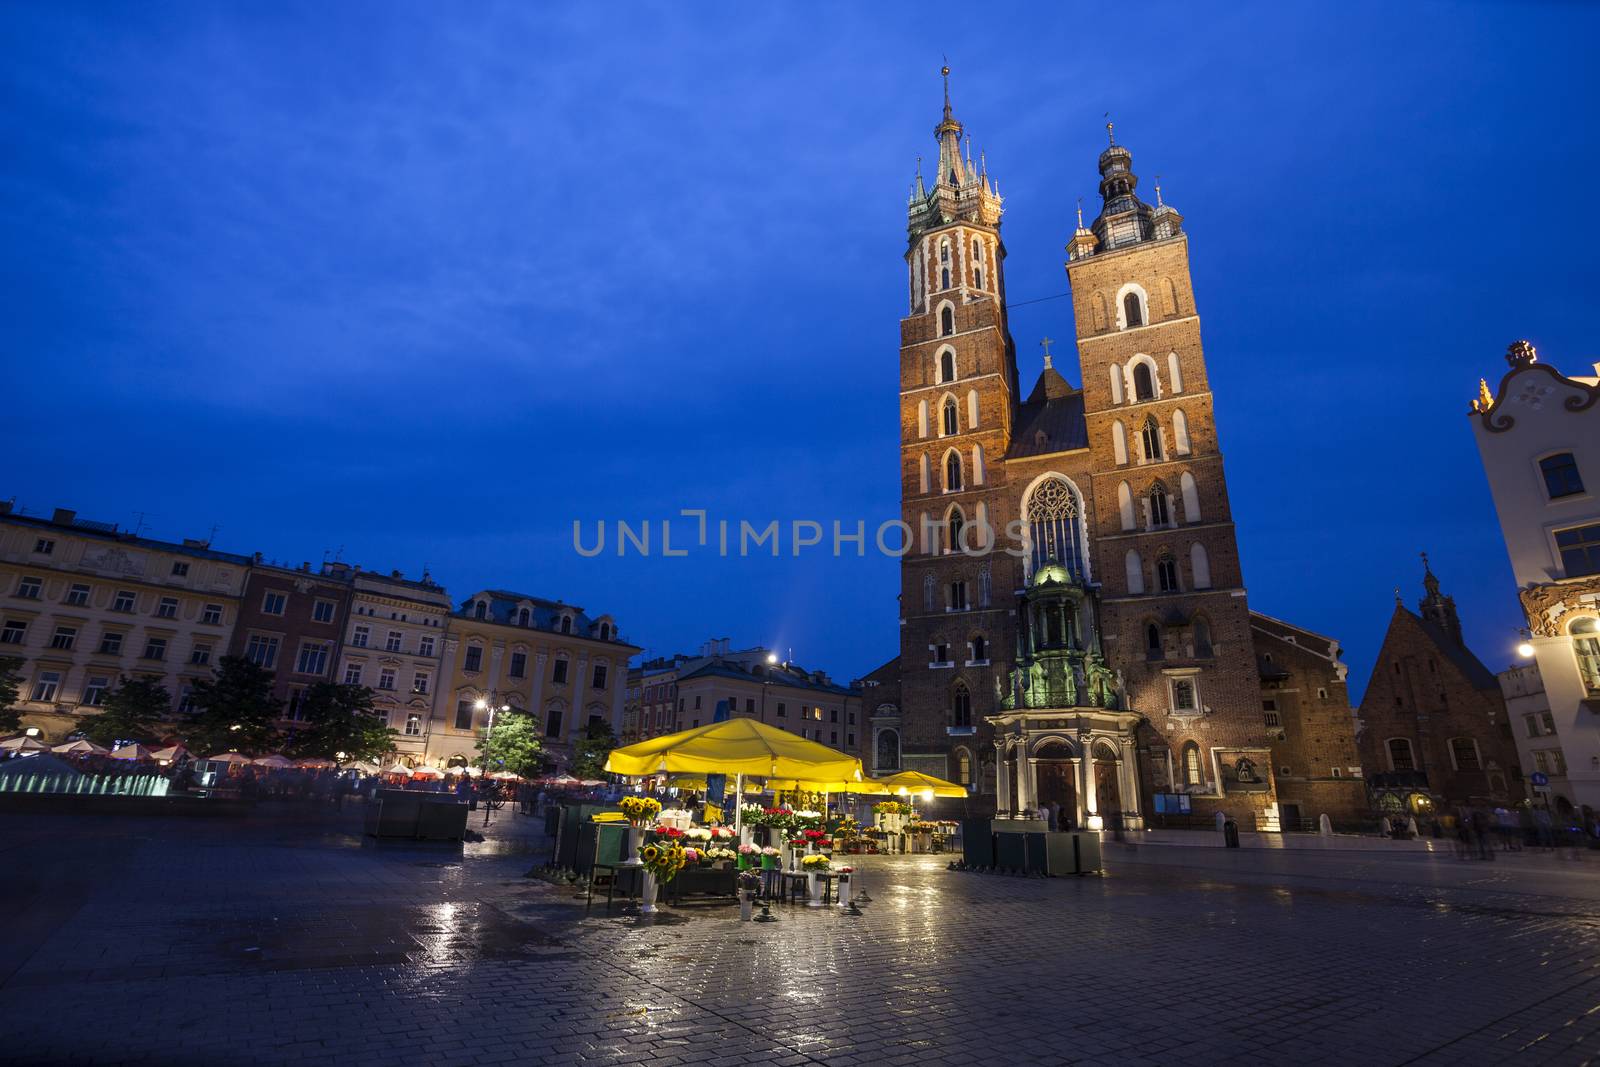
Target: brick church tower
1073, 618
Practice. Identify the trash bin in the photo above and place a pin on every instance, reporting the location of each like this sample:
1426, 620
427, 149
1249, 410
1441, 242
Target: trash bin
1230, 834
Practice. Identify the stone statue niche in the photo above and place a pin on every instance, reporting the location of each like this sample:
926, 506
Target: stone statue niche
1059, 663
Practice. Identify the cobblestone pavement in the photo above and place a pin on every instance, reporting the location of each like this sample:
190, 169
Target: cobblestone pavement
289, 940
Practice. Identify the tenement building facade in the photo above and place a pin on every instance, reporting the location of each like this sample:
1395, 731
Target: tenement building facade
1539, 436
1074, 627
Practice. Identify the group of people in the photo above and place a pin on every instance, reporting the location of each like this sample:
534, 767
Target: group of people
1481, 832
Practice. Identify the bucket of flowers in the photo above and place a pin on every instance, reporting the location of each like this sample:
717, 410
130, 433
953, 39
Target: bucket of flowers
669, 834
844, 885
697, 833
694, 857
815, 838
662, 861
807, 820
770, 856
813, 866
639, 811
722, 833
721, 856
749, 855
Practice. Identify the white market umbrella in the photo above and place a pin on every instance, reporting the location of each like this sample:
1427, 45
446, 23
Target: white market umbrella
364, 767
397, 768
23, 744
134, 751
81, 747
170, 754
273, 760
230, 757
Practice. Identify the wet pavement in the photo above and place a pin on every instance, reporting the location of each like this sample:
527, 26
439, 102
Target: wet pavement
289, 938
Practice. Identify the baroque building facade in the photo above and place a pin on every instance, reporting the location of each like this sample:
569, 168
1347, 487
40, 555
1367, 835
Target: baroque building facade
1074, 624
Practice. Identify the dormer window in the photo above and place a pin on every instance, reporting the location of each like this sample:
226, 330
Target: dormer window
523, 616
566, 624
480, 609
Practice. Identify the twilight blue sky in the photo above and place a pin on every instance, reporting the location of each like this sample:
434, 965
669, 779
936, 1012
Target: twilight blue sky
424, 283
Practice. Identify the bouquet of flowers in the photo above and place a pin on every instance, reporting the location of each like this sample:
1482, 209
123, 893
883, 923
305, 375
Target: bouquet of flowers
663, 860
814, 864
669, 833
893, 807
640, 810
753, 815
716, 855
815, 837
697, 833
722, 833
770, 857
779, 818
750, 850
807, 819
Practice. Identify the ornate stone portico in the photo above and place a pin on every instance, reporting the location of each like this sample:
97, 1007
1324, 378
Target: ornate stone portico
1080, 758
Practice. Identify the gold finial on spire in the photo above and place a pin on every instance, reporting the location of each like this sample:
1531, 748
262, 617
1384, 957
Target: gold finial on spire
1158, 191
1045, 344
1521, 353
945, 71
1485, 399
1080, 212
1110, 136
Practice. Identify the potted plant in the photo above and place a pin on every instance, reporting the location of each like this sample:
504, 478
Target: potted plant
639, 811
749, 855
770, 857
661, 863
814, 865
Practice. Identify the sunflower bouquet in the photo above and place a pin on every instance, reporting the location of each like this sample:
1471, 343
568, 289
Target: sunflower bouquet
664, 860
640, 810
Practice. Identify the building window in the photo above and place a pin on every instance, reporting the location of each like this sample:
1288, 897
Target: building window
519, 664
552, 725
598, 678
1132, 311
1580, 550
947, 316
359, 638
1191, 765
1464, 754
124, 602
13, 633
200, 655
155, 648
1561, 475
262, 651
951, 416
64, 638
1400, 755
1159, 516
413, 724
313, 658
44, 546
1144, 381
1167, 574
888, 750
1586, 647
45, 686
419, 683
322, 611
474, 659
958, 596
111, 644
1152, 642
1271, 719
783, 711
941, 654
960, 706
947, 366
78, 596
980, 650
1150, 438
464, 710
1202, 638
94, 691
386, 679
558, 674
425, 645
28, 589
394, 642
1183, 695
566, 624
1053, 511
167, 608
212, 615
273, 603
180, 569
352, 674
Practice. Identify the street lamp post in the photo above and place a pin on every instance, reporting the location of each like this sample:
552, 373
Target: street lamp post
491, 705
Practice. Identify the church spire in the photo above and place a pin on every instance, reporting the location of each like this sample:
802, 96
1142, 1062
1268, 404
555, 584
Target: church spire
1125, 219
959, 190
1437, 608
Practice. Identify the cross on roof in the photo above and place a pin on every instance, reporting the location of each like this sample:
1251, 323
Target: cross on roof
1045, 344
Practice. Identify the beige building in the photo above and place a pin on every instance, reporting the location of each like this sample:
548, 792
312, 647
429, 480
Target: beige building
394, 644
84, 603
528, 654
1534, 727
1539, 436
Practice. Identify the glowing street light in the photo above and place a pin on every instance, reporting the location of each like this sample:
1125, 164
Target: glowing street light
1525, 650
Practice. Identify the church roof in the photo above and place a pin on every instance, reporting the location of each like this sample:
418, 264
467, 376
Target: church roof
1470, 666
1050, 420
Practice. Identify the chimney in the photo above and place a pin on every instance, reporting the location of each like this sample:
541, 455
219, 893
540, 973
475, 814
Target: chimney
64, 516
6, 506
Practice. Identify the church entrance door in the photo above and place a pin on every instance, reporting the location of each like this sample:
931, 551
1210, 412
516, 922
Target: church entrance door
1107, 789
1054, 777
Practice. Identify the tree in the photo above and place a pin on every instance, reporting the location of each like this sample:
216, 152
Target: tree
130, 712
234, 711
513, 745
10, 688
341, 724
589, 754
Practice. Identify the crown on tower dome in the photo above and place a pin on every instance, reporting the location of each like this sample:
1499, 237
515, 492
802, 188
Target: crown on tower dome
961, 191
1124, 219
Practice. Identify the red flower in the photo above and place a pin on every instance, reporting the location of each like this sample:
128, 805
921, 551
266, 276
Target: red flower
669, 832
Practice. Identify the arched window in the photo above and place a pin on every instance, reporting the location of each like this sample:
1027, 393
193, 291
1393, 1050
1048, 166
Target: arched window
947, 321
1464, 754
522, 616
605, 631
566, 624
979, 648
977, 263
1200, 566
1167, 574
977, 464
1191, 765
1150, 438
1132, 312
888, 750
1135, 567
944, 280
922, 471
1053, 511
1119, 443
1157, 501
1125, 505
955, 527
960, 705
1174, 372
480, 609
1152, 642
1202, 637
1586, 647
922, 418
1400, 756
1191, 497
944, 251
963, 767
1116, 383
972, 409
950, 416
947, 364
1144, 381
1180, 433
952, 472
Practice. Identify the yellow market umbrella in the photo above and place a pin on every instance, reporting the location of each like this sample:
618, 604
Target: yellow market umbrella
916, 782
738, 747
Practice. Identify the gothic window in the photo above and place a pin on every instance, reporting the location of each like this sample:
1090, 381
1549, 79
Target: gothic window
927, 592
963, 767
1167, 574
922, 472
979, 648
1152, 641
944, 264
977, 263
1586, 647
972, 409
944, 251
1561, 475
888, 750
960, 705
922, 418
951, 416
947, 316
952, 472
947, 363
1180, 433
1202, 637
1150, 438
1144, 381
1174, 372
1200, 566
1464, 754
1191, 765
958, 596
1131, 311
1400, 756
1119, 443
983, 586
977, 464
1135, 567
1125, 505
956, 525
1191, 497
1053, 510
1159, 515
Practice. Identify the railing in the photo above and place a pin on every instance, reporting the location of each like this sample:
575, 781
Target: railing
132, 785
